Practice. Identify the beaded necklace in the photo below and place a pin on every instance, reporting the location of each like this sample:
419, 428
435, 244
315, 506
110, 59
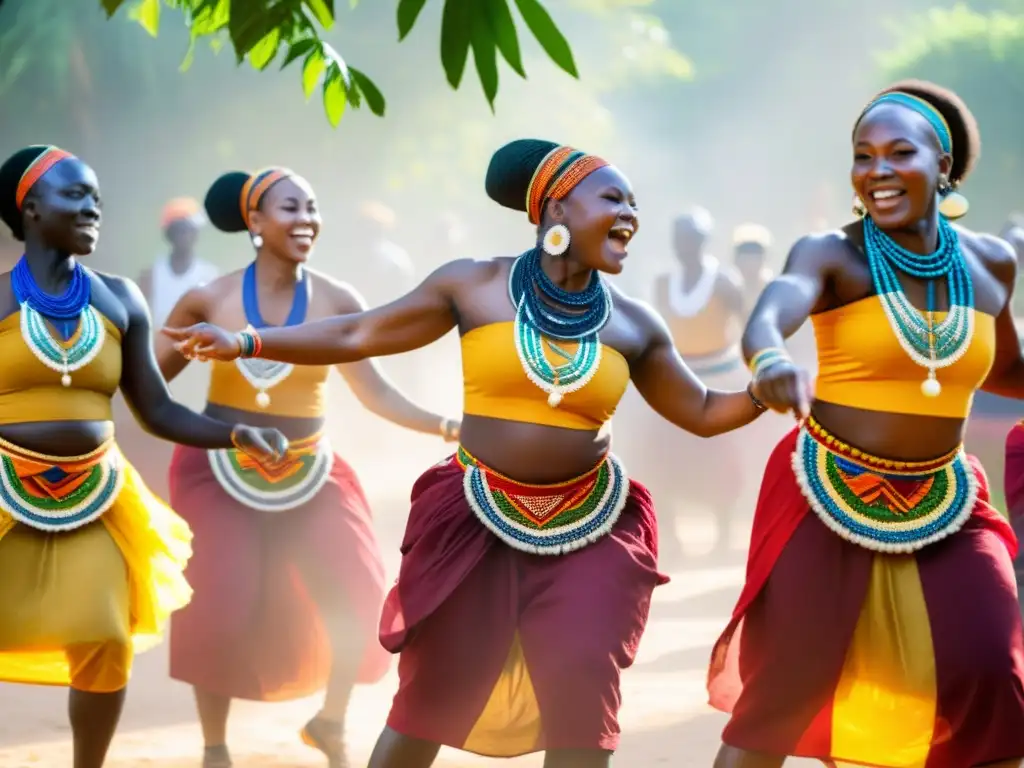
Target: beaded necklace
929, 344
539, 320
266, 374
67, 311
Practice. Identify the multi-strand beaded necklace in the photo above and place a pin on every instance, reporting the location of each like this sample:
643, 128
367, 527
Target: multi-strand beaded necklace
929, 344
69, 311
546, 313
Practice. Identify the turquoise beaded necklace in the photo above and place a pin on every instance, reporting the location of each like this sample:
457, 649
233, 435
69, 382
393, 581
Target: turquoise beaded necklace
580, 366
929, 344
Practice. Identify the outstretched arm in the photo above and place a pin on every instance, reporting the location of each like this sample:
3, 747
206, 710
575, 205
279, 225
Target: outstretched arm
190, 309
671, 389
1006, 377
417, 319
374, 389
146, 391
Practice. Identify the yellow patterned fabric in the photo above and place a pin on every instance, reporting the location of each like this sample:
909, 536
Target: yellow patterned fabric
76, 605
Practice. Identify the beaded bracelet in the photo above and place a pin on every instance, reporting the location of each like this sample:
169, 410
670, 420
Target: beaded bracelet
761, 407
766, 358
249, 343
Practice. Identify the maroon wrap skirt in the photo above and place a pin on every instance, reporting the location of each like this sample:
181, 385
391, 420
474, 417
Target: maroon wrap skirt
254, 629
503, 652
836, 652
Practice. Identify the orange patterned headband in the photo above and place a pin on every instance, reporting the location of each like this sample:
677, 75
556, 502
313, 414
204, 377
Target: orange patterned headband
256, 187
556, 176
49, 158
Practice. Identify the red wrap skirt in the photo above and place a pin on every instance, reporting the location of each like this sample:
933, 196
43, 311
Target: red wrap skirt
838, 652
254, 629
505, 652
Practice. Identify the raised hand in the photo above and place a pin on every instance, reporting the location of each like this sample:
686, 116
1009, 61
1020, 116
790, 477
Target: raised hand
205, 342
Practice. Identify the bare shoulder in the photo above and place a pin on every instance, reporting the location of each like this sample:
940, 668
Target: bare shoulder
121, 286
344, 298
995, 254
639, 313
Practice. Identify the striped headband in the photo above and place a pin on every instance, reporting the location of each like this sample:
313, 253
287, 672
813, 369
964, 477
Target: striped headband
48, 158
923, 108
556, 176
257, 186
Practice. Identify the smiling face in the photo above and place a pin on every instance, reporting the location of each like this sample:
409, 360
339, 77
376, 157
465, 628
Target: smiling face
62, 210
288, 219
602, 217
897, 163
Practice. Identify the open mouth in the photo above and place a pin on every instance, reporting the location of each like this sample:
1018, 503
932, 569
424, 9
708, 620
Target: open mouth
89, 230
884, 199
303, 237
620, 237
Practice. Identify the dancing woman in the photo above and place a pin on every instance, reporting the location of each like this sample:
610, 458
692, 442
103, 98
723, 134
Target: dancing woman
529, 558
90, 561
287, 572
878, 625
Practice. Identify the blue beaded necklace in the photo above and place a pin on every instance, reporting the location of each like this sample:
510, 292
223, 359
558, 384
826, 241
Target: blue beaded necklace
539, 320
266, 374
69, 312
929, 344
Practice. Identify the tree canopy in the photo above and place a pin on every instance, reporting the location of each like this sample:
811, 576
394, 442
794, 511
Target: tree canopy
260, 30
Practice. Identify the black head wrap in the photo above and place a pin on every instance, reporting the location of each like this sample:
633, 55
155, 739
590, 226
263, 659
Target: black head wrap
18, 175
236, 193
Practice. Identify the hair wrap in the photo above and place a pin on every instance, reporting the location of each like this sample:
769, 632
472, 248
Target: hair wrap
18, 174
923, 108
180, 209
257, 186
524, 174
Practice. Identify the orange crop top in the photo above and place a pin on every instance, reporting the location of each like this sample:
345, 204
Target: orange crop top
496, 386
302, 394
32, 392
862, 365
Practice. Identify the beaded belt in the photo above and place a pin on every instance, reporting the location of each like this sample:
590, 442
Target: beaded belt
723, 361
288, 484
546, 519
882, 504
51, 493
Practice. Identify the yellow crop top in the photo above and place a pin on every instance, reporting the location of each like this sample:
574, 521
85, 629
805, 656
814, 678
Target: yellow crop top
303, 394
31, 392
496, 386
862, 365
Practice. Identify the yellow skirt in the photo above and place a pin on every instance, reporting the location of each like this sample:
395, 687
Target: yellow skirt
76, 605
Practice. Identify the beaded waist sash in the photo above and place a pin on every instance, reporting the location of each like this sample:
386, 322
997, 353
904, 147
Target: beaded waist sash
546, 519
882, 504
51, 493
288, 484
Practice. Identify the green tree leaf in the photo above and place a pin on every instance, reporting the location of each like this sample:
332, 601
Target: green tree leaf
485, 55
374, 98
250, 21
334, 94
456, 26
147, 13
111, 6
265, 50
323, 10
548, 35
503, 28
312, 68
298, 49
408, 12
210, 17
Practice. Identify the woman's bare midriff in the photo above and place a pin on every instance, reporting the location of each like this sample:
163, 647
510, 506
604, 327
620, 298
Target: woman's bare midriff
531, 453
890, 435
58, 438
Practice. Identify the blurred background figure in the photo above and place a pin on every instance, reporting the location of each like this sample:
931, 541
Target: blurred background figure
750, 246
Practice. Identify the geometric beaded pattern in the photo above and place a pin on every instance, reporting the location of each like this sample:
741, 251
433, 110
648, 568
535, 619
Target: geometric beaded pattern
883, 505
81, 350
290, 483
59, 497
546, 519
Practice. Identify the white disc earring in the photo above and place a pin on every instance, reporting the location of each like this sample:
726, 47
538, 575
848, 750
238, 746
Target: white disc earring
257, 241
556, 240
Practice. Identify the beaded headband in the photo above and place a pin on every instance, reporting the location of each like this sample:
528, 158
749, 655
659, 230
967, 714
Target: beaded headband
46, 160
257, 186
923, 108
556, 176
